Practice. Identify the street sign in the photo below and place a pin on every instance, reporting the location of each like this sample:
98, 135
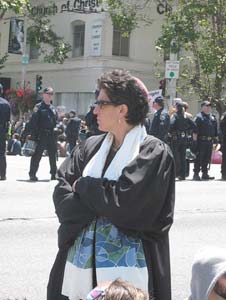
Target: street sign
25, 59
172, 69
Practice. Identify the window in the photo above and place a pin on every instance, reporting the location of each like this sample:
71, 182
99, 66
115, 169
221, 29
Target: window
34, 52
78, 39
120, 43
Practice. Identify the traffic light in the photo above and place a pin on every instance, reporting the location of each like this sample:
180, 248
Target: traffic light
38, 83
162, 86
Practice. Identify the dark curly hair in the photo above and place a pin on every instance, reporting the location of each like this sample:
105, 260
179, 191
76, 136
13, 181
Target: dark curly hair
122, 88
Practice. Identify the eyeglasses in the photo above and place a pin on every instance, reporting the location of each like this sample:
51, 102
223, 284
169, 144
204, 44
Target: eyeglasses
102, 103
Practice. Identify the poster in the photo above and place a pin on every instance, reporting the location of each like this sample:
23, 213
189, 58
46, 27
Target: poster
16, 36
96, 39
152, 96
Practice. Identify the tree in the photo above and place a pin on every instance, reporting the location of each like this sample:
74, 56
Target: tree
40, 33
198, 32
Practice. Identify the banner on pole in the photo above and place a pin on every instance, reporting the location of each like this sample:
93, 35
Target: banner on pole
152, 96
16, 36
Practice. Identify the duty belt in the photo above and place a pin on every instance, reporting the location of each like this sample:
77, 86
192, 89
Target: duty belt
178, 134
205, 138
47, 131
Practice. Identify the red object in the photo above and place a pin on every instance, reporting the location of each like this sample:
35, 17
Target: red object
216, 157
19, 93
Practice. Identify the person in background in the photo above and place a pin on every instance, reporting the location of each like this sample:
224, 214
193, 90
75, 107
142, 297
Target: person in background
207, 134
117, 290
161, 122
43, 122
111, 210
208, 280
14, 145
72, 130
4, 124
223, 145
180, 128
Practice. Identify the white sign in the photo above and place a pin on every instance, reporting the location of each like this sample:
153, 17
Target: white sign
152, 96
96, 39
172, 69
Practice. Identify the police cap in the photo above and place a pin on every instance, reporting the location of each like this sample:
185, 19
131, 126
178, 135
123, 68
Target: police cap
205, 103
48, 90
159, 100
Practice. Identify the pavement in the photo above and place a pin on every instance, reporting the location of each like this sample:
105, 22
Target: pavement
28, 229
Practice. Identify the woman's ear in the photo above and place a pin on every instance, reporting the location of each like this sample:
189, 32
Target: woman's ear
123, 110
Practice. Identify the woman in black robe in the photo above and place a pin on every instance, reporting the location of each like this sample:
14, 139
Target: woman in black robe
139, 203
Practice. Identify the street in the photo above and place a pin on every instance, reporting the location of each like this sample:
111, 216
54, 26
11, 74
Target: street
28, 229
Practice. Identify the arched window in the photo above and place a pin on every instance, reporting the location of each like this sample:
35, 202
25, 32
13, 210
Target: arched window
120, 43
78, 44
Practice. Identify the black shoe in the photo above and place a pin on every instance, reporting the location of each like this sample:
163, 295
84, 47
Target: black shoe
223, 178
207, 177
33, 178
3, 178
196, 177
53, 177
181, 178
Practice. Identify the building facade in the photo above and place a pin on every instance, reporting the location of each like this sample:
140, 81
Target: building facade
96, 47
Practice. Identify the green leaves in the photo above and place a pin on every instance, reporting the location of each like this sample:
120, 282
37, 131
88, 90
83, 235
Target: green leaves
39, 33
199, 28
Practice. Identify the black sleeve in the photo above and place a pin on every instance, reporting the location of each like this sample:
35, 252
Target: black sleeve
34, 125
143, 197
71, 212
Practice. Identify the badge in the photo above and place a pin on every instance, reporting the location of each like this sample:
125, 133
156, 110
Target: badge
162, 117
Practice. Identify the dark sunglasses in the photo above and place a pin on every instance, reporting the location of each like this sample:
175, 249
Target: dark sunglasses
102, 103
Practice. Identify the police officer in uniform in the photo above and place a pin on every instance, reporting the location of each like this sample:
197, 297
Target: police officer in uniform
223, 145
206, 135
72, 130
43, 122
161, 121
181, 127
4, 123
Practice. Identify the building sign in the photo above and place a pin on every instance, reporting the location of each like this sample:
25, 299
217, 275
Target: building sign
81, 6
163, 7
96, 39
16, 36
172, 69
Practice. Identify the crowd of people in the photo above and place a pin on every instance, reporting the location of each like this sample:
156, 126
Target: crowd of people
114, 217
191, 139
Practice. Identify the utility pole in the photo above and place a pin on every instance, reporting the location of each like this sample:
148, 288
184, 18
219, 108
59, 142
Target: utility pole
24, 55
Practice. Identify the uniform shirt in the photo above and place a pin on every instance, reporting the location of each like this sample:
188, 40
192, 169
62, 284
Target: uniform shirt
181, 124
4, 115
206, 125
43, 118
160, 125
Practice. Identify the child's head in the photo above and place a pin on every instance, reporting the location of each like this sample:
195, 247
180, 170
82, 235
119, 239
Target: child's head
117, 290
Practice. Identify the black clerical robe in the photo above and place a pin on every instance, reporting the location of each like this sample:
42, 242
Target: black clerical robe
140, 203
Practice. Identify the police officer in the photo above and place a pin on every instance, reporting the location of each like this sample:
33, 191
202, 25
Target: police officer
43, 122
206, 135
4, 123
72, 130
223, 145
181, 127
161, 121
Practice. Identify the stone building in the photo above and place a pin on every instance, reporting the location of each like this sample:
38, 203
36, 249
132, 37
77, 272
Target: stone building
96, 47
